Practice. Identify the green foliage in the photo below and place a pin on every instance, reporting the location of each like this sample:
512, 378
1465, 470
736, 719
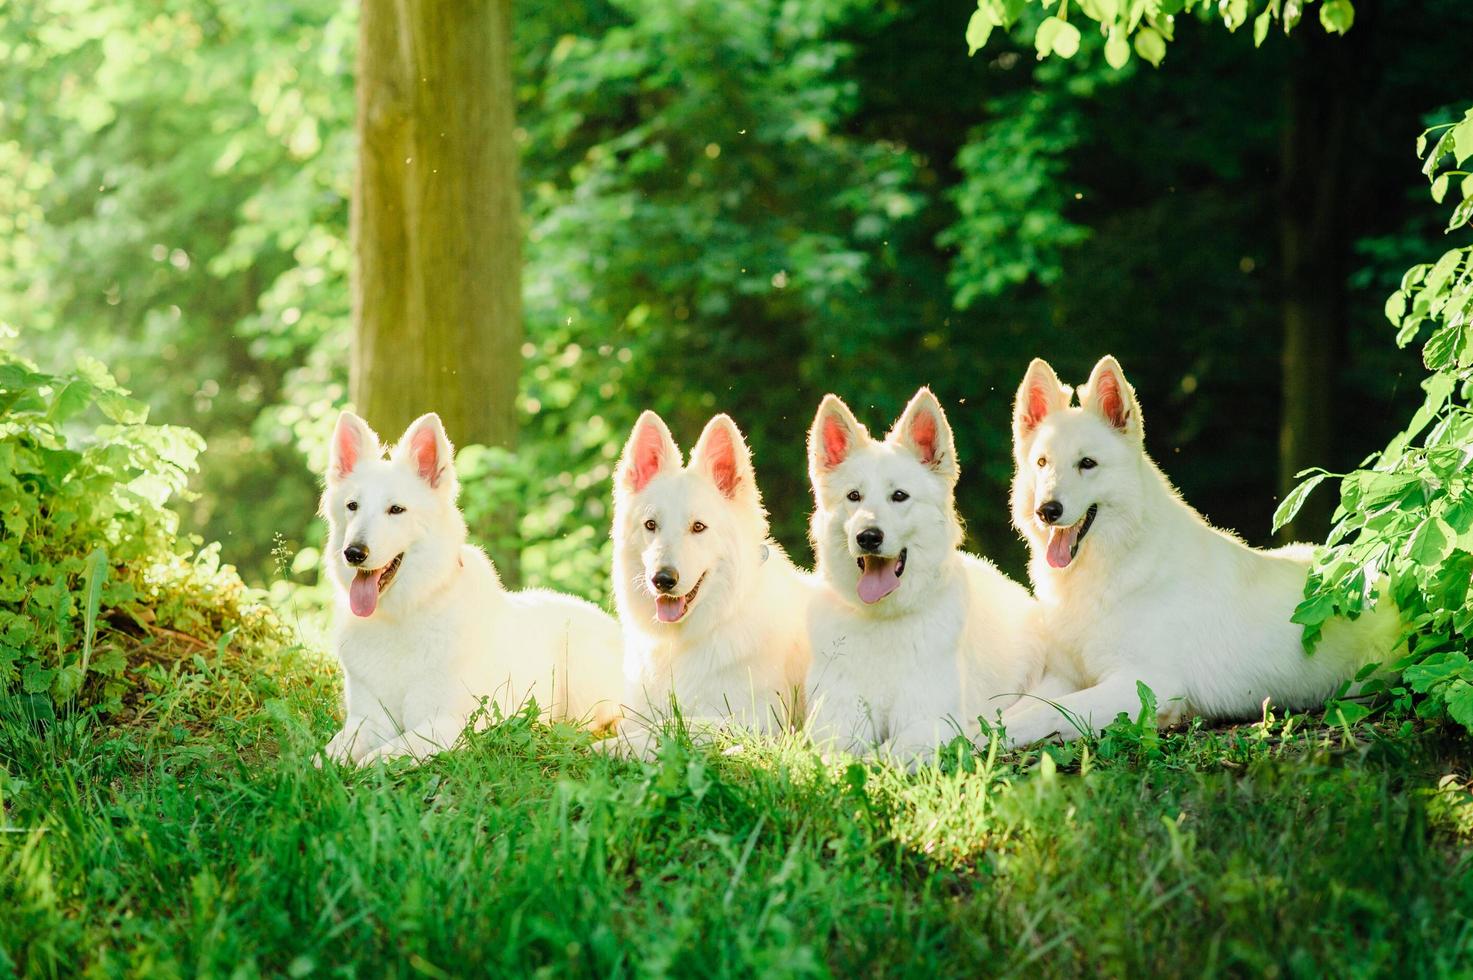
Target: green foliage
1012, 226
1405, 518
1144, 25
90, 563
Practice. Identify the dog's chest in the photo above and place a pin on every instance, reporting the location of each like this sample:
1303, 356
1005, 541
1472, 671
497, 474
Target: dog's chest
881, 658
388, 662
728, 672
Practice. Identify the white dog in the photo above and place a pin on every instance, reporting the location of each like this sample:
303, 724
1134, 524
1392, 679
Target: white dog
1135, 586
425, 632
913, 639
713, 610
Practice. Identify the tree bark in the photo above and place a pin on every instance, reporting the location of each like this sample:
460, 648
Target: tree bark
437, 320
1314, 255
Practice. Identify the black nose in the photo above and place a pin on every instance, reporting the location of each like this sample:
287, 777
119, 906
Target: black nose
1050, 511
356, 554
665, 579
870, 538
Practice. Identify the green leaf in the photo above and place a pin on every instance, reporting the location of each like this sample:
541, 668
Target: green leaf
1346, 713
122, 409
1066, 41
1056, 36
1117, 49
1150, 45
94, 576
1459, 698
1147, 716
1443, 347
1439, 187
1462, 135
1431, 542
1462, 215
1337, 16
35, 679
71, 400
1396, 305
1295, 500
1261, 25
1314, 610
1436, 669
979, 29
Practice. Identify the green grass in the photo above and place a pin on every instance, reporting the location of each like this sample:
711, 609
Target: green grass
197, 841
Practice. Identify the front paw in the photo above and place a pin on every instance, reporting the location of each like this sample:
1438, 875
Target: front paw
628, 744
339, 749
399, 748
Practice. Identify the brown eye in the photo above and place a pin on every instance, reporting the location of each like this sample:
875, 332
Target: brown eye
396, 509
900, 496
1087, 463
1042, 461
650, 525
697, 528
854, 496
352, 505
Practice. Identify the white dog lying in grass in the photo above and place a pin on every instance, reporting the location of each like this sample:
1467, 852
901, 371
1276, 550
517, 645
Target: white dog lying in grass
713, 610
1135, 586
913, 639
425, 632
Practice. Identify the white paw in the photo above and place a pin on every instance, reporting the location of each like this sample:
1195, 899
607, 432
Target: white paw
339, 749
638, 744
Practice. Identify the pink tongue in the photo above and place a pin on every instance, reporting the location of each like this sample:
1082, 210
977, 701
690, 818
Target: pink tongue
1061, 545
879, 579
363, 593
669, 608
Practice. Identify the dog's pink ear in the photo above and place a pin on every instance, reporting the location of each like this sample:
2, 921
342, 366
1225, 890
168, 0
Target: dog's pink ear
427, 449
922, 428
1039, 396
1111, 397
650, 451
835, 434
722, 454
352, 442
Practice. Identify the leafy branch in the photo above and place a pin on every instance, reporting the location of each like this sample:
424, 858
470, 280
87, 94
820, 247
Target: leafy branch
1145, 26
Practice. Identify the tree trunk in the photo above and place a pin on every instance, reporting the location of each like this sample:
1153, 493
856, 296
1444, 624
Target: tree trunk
1313, 248
437, 279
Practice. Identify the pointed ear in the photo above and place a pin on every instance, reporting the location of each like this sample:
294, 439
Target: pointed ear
1111, 397
649, 452
835, 434
721, 453
1040, 395
922, 428
426, 448
352, 443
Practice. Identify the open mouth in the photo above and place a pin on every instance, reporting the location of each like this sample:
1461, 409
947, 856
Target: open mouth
1063, 542
672, 608
879, 576
369, 584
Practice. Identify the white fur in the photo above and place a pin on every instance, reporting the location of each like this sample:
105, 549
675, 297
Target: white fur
1155, 594
954, 641
445, 636
740, 652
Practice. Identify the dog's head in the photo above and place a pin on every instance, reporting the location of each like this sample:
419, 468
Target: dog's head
1078, 468
884, 518
687, 539
394, 529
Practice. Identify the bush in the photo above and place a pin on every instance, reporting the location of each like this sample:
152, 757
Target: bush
95, 582
1406, 516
